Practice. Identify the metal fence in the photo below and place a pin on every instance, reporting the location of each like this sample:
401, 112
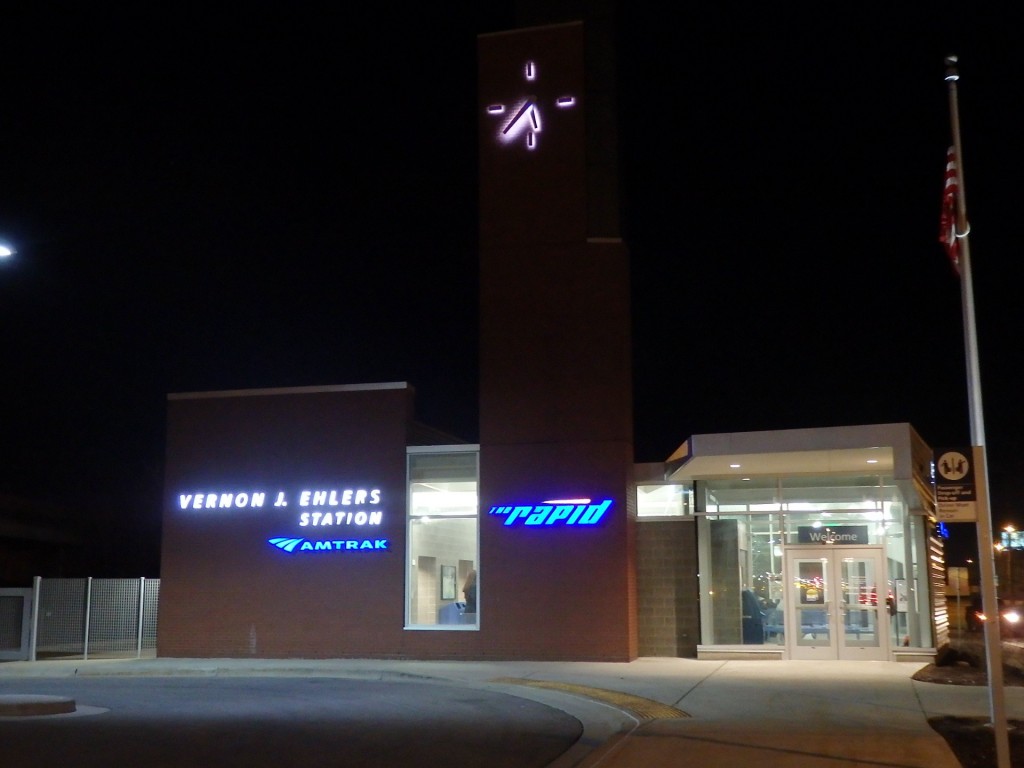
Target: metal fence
15, 620
86, 618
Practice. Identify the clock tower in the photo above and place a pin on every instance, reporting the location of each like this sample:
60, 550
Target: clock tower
532, 118
555, 356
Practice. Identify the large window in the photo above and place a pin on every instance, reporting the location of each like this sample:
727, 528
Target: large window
744, 527
443, 553
663, 500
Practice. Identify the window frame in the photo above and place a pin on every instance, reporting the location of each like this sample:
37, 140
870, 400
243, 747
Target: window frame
411, 519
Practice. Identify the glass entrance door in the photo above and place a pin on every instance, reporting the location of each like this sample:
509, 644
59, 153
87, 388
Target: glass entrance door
836, 606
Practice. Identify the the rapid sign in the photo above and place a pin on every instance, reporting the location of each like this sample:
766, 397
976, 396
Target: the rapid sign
556, 512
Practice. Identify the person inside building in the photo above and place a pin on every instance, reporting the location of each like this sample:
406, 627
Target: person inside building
753, 619
469, 590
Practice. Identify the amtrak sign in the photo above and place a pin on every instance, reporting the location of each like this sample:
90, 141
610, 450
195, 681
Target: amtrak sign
325, 512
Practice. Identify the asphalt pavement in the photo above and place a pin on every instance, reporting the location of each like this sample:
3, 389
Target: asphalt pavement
466, 714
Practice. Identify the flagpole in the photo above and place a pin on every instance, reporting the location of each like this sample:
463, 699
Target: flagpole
986, 558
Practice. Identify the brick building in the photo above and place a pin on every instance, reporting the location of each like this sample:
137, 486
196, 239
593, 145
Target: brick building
327, 522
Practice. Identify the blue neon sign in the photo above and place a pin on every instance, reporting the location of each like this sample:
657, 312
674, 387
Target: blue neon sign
293, 545
331, 510
560, 512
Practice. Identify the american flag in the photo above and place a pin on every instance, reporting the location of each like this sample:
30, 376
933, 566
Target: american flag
947, 220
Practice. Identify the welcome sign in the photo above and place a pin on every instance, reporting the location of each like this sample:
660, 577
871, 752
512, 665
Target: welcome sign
833, 534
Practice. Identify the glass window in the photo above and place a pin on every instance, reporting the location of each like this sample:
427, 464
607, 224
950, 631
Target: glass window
745, 525
914, 614
663, 500
443, 549
860, 493
738, 495
741, 575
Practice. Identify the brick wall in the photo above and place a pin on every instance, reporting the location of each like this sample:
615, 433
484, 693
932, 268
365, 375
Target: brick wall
557, 592
228, 592
556, 398
667, 588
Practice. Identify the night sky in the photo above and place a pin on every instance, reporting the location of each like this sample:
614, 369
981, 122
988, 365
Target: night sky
208, 200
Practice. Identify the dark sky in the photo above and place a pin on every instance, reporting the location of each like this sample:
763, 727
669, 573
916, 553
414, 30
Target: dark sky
284, 197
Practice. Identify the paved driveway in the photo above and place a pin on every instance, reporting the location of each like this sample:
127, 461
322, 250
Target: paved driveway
222, 722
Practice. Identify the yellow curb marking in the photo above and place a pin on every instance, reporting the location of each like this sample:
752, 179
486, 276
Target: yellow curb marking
642, 708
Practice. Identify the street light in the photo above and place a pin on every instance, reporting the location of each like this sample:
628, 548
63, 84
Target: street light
6, 251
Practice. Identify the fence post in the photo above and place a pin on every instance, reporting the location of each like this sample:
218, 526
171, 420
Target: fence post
142, 608
37, 588
88, 614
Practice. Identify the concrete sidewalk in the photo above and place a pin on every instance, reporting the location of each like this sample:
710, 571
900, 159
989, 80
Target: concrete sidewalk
667, 712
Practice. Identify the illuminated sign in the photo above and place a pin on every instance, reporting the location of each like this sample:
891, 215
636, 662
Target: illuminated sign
1009, 538
257, 499
328, 506
833, 534
347, 545
556, 512
320, 508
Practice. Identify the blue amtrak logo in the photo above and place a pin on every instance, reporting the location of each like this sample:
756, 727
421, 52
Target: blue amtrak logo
327, 545
558, 512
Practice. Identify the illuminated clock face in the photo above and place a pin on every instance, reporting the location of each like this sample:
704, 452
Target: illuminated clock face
521, 121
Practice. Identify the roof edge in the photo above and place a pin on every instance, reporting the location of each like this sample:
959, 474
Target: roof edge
287, 391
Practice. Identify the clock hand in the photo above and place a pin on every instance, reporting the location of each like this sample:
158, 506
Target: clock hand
528, 106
